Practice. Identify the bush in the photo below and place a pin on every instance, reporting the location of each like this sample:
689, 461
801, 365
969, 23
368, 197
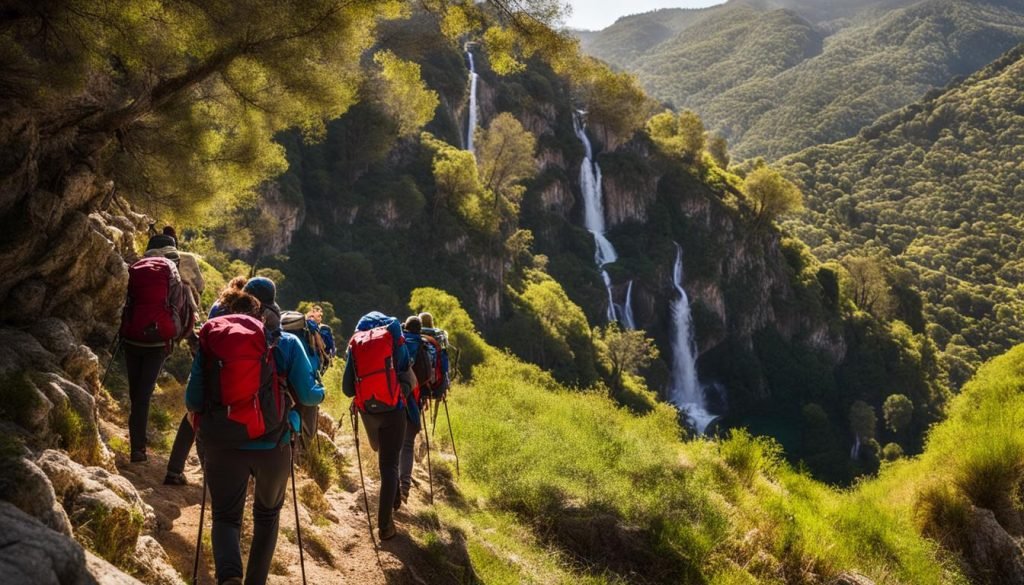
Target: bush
750, 456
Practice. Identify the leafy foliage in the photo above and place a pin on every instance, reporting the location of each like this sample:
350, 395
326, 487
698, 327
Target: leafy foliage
776, 81
937, 188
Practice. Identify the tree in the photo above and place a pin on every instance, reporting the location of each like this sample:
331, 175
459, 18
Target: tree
892, 452
718, 148
679, 136
862, 420
626, 351
771, 195
897, 411
868, 285
404, 94
504, 155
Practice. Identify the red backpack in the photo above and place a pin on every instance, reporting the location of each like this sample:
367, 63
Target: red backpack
372, 355
243, 399
156, 309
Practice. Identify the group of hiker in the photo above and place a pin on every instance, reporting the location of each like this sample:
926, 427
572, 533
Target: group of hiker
254, 388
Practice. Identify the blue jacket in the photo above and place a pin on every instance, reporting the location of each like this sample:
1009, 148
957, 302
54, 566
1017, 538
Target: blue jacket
291, 362
328, 336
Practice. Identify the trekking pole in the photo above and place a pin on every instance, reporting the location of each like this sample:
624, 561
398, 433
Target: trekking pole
362, 482
199, 537
113, 356
426, 437
433, 421
451, 434
295, 502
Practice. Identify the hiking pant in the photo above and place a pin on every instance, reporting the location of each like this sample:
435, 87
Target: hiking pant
182, 445
408, 451
227, 475
308, 415
386, 432
144, 364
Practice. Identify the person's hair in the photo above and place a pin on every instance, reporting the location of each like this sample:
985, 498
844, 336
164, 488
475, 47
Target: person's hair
234, 285
169, 231
239, 302
413, 324
426, 319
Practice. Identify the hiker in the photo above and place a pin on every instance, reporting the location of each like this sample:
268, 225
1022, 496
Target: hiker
328, 351
162, 240
185, 436
298, 325
378, 377
329, 345
232, 450
438, 339
416, 347
159, 311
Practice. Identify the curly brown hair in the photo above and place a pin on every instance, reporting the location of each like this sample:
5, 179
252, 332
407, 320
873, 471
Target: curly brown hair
239, 302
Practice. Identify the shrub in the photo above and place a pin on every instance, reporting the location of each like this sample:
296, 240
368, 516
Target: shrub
750, 456
318, 461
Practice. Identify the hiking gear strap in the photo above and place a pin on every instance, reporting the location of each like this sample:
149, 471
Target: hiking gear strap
451, 434
362, 482
295, 501
426, 437
199, 537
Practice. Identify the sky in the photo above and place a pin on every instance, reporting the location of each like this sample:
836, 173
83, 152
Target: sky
598, 14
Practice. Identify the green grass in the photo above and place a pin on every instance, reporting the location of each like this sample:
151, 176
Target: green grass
111, 533
604, 493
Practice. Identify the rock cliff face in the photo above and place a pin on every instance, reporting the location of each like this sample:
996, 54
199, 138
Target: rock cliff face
63, 248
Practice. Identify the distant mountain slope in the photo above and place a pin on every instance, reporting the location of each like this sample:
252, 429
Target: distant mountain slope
776, 76
940, 186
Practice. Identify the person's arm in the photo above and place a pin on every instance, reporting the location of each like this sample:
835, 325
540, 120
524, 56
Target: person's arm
348, 379
301, 376
194, 389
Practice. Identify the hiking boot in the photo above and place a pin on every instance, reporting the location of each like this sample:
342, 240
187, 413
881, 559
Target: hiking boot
232, 581
387, 532
398, 501
138, 457
404, 493
175, 479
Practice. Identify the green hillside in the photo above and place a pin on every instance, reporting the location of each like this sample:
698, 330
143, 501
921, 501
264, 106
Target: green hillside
939, 188
774, 81
615, 497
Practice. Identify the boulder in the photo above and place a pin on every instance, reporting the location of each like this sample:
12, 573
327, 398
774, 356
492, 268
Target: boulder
76, 483
154, 567
106, 574
327, 424
31, 491
992, 554
32, 553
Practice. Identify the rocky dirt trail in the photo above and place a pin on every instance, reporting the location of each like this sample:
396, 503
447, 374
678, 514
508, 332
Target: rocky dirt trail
337, 547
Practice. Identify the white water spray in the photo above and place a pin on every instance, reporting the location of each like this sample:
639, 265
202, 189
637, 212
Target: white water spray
471, 129
627, 309
686, 393
593, 219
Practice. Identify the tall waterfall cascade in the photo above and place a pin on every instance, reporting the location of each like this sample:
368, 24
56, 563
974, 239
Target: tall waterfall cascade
593, 220
473, 108
686, 391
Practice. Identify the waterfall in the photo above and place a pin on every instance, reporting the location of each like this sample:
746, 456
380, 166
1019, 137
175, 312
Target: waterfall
593, 219
855, 450
686, 392
627, 309
472, 102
